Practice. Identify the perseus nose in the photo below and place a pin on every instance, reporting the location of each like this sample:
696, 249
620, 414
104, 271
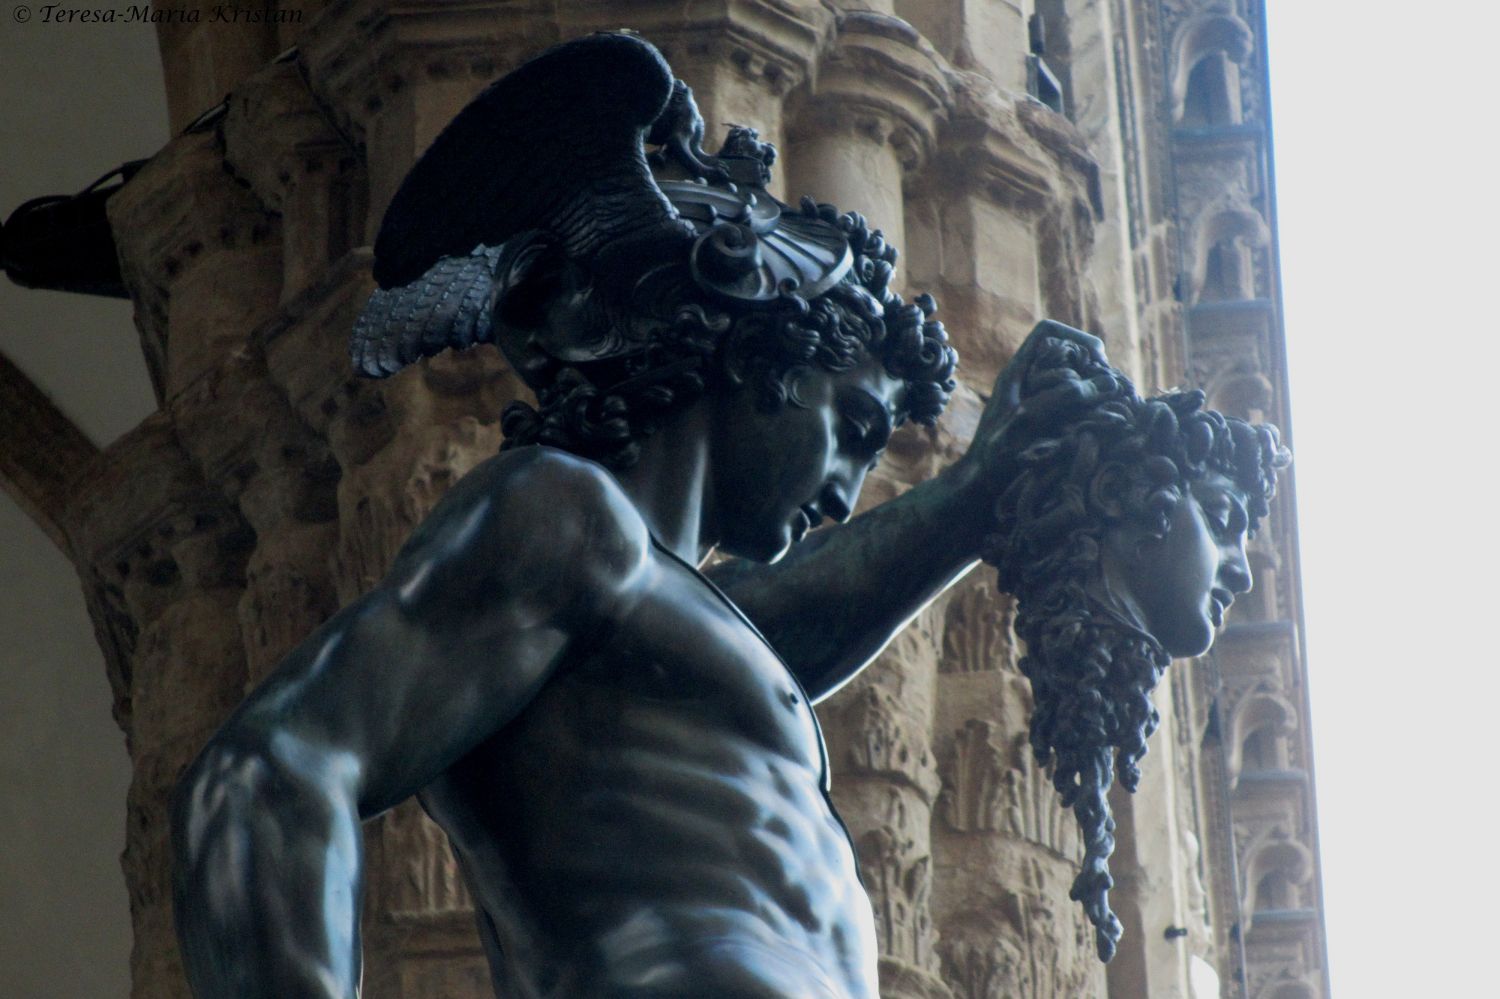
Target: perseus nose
834, 503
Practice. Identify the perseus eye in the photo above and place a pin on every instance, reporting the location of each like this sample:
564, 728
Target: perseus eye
857, 430
866, 423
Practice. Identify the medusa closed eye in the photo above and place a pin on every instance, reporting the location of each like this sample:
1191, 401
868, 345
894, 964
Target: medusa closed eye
1226, 515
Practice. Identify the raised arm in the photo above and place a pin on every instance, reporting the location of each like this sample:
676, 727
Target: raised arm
476, 614
841, 595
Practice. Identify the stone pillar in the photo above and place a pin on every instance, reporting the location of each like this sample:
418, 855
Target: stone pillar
870, 118
201, 62
301, 482
398, 445
288, 150
390, 76
158, 510
885, 782
1005, 851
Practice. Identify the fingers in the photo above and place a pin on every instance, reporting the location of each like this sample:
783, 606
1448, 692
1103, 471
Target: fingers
1044, 349
1050, 328
1065, 394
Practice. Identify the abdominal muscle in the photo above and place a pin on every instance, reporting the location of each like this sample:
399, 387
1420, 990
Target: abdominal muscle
630, 842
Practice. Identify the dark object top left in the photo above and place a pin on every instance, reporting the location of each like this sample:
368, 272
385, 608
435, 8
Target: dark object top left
546, 172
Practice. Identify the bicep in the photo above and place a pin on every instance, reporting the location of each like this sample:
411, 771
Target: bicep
476, 615
396, 697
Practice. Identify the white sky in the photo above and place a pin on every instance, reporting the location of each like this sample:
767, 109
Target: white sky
1384, 117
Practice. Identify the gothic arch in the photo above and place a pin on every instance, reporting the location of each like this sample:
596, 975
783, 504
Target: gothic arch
1223, 266
1205, 76
1283, 861
1241, 391
1289, 990
1258, 716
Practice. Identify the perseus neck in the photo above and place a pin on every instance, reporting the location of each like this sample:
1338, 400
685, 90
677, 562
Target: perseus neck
669, 483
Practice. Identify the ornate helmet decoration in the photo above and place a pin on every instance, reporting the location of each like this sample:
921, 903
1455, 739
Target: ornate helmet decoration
544, 180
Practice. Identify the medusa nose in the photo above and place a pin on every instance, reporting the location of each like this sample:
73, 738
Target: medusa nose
1234, 570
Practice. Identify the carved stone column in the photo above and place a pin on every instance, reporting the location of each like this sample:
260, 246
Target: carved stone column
1001, 224
157, 519
1005, 850
885, 784
872, 117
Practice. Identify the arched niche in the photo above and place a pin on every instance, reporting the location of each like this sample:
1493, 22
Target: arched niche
1276, 870
1289, 990
1242, 392
1224, 254
1206, 69
1258, 731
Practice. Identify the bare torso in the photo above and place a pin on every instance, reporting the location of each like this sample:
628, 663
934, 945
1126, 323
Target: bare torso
656, 823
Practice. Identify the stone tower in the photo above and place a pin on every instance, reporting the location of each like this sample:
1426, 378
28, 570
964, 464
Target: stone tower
1099, 162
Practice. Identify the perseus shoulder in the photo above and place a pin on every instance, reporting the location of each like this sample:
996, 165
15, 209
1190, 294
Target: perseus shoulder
535, 526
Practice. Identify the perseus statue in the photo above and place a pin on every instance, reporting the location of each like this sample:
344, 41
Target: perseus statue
619, 743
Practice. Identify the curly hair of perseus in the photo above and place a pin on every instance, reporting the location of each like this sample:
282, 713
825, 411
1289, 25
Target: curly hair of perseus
602, 410
1092, 674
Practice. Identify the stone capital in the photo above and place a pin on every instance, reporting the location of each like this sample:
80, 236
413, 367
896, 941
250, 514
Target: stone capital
882, 80
1013, 150
772, 45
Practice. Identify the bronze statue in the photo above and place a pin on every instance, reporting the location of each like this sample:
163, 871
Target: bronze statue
621, 747
1122, 535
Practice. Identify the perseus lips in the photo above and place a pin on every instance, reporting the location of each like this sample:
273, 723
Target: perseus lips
807, 517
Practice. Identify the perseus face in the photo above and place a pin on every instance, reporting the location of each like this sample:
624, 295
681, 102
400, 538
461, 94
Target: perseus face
1180, 585
777, 475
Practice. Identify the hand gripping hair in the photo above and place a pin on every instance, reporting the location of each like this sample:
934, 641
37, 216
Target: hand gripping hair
1118, 461
535, 222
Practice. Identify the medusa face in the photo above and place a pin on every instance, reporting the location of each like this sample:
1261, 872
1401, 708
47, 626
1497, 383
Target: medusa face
1179, 584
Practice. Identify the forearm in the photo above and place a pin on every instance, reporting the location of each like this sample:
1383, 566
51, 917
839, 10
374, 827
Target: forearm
266, 880
839, 597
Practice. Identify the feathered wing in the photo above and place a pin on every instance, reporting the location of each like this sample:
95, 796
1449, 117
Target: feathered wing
556, 147
448, 306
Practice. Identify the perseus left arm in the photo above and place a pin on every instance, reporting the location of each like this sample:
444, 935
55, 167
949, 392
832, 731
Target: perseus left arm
833, 603
837, 598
